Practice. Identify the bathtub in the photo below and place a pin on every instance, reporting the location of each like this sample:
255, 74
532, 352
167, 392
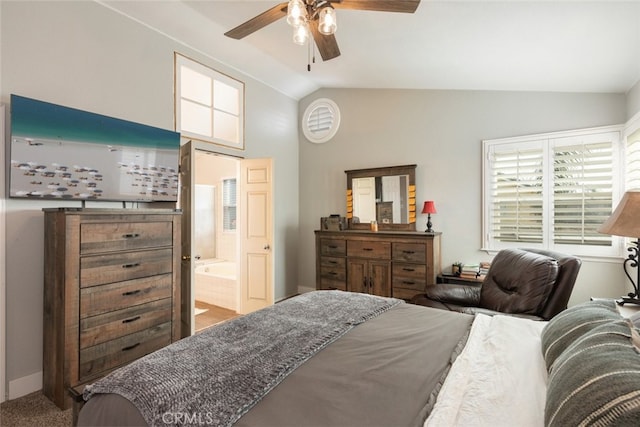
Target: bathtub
215, 283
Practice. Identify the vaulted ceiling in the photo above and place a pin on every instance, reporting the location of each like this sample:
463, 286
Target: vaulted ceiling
567, 46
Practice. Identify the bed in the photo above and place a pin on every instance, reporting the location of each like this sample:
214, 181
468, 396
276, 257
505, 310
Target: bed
333, 358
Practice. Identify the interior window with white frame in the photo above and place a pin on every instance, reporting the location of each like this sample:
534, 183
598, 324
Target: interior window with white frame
209, 105
552, 191
229, 204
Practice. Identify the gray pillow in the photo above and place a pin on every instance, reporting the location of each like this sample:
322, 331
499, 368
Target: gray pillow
596, 380
572, 323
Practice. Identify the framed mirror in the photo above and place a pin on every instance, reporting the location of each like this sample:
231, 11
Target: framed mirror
386, 195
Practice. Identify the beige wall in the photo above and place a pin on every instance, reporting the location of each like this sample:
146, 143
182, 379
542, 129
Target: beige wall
441, 132
83, 55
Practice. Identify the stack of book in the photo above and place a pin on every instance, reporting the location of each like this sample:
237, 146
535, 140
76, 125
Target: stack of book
484, 269
469, 271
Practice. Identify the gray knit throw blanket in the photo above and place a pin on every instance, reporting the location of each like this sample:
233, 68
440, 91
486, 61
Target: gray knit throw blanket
216, 376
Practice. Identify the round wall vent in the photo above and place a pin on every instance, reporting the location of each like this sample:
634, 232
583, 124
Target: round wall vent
321, 120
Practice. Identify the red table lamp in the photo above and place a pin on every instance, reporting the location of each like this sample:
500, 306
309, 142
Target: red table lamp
429, 208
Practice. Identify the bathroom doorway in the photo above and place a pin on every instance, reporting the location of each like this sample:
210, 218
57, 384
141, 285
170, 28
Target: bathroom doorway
215, 281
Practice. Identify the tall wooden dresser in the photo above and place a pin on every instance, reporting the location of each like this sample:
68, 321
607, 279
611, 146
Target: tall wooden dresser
111, 292
396, 264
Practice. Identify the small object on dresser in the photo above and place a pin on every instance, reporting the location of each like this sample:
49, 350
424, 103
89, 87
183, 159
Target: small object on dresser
333, 223
374, 225
483, 269
470, 270
456, 268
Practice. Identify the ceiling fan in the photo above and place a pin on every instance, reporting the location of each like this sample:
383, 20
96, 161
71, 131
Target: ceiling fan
318, 18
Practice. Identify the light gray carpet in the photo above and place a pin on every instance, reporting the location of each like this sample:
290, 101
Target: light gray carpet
33, 410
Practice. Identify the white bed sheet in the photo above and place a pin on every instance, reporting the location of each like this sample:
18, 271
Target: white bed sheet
499, 379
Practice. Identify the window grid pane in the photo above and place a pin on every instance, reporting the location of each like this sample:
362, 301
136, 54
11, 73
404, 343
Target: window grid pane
229, 204
633, 161
517, 206
209, 105
582, 193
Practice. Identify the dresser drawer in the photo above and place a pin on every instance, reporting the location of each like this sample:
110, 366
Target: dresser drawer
102, 357
99, 269
97, 300
119, 236
334, 247
333, 268
105, 327
410, 276
368, 249
410, 252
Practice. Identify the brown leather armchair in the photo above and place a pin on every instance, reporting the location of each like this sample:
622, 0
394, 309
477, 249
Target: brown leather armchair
530, 283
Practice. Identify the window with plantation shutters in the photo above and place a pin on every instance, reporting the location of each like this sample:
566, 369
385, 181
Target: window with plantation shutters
582, 190
633, 160
229, 204
516, 192
552, 191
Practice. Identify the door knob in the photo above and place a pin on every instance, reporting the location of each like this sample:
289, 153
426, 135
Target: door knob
186, 257
267, 247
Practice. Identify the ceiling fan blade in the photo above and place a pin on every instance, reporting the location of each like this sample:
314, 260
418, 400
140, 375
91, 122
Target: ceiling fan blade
405, 6
327, 45
258, 22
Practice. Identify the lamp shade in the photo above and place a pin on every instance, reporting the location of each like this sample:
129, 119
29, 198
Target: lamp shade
429, 207
625, 220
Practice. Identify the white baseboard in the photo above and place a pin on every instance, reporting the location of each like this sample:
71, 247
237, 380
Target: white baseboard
25, 385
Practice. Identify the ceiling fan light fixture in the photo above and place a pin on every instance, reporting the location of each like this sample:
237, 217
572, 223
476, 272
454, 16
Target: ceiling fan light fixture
327, 22
296, 13
301, 34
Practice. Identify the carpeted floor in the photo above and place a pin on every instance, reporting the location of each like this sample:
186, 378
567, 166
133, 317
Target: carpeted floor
33, 410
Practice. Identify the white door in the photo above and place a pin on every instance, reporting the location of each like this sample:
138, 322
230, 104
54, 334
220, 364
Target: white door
364, 198
256, 219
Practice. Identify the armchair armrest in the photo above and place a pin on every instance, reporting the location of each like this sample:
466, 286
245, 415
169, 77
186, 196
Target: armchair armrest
455, 294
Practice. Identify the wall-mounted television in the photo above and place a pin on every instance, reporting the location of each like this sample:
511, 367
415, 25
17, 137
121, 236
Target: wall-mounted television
63, 153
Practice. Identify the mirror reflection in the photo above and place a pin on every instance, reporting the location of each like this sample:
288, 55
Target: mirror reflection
386, 195
382, 198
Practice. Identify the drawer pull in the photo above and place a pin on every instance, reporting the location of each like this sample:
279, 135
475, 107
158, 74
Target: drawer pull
408, 252
333, 247
408, 269
129, 293
131, 347
333, 262
131, 235
133, 319
406, 282
135, 264
367, 249
333, 273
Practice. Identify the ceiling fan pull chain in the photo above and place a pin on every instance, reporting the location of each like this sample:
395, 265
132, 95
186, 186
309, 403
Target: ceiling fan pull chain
309, 56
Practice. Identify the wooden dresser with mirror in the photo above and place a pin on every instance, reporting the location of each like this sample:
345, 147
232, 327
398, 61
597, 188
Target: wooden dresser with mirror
395, 261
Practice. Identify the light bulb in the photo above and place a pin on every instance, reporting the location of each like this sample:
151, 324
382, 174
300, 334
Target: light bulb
327, 24
296, 13
301, 34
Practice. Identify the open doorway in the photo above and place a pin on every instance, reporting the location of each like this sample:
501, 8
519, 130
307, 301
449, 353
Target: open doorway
215, 239
248, 248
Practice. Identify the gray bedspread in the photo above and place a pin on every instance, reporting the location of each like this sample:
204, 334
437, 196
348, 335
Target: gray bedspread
221, 373
384, 372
